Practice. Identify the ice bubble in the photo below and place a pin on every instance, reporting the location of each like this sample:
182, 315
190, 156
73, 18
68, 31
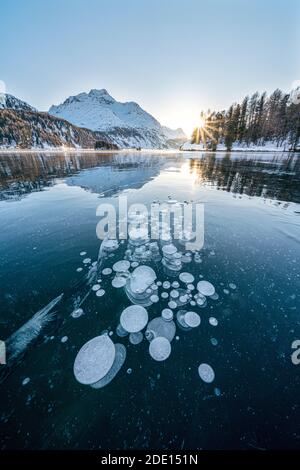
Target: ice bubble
134, 264
136, 338
64, 339
118, 282
166, 285
169, 250
159, 283
94, 360
154, 298
217, 392
79, 270
187, 278
174, 294
183, 299
214, 341
164, 295
100, 292
213, 321
172, 304
86, 260
206, 373
129, 371
205, 288
192, 319
77, 313
134, 318
25, 381
106, 271
138, 235
232, 286
200, 299
109, 245
96, 287
226, 291
175, 284
119, 360
160, 348
190, 287
193, 303
215, 296
82, 253
142, 278
180, 319
167, 314
121, 266
121, 332
159, 327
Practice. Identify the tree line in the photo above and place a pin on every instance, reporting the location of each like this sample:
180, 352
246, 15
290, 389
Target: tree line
258, 120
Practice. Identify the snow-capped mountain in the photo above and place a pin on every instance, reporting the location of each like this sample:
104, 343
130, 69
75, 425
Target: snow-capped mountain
126, 124
11, 102
173, 134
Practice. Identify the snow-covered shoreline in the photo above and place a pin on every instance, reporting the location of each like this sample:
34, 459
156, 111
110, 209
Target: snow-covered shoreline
70, 150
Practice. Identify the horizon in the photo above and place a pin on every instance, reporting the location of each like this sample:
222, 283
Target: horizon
167, 81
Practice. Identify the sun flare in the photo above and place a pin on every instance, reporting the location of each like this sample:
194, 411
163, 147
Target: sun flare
201, 122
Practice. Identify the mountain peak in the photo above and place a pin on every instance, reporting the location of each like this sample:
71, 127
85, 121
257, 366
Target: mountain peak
101, 94
11, 102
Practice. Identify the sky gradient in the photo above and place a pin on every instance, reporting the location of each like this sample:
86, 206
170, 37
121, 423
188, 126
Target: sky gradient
173, 57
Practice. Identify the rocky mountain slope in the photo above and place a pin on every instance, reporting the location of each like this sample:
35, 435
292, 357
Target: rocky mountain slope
126, 124
25, 128
11, 102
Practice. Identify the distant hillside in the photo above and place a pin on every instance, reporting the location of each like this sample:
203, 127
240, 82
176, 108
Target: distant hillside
22, 128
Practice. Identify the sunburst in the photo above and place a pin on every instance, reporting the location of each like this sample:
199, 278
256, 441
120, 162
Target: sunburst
207, 126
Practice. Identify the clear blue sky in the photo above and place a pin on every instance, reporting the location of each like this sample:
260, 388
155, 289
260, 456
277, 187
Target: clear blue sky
173, 57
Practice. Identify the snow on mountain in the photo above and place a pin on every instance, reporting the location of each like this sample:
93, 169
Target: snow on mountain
11, 102
171, 134
126, 124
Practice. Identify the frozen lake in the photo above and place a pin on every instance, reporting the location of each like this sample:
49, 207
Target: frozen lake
248, 398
